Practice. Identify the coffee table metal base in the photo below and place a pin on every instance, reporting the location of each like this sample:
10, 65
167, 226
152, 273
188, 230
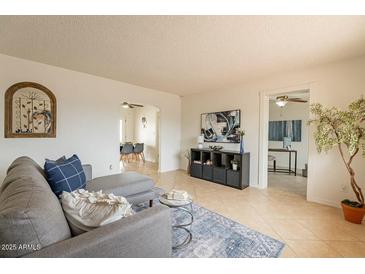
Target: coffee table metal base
186, 227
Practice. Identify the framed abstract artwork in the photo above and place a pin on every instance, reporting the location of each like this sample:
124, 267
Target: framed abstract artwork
221, 127
30, 111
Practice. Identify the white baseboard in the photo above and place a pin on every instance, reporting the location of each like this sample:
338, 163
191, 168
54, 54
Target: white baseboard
324, 202
168, 170
256, 186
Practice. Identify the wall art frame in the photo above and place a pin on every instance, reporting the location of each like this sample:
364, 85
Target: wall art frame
30, 111
221, 126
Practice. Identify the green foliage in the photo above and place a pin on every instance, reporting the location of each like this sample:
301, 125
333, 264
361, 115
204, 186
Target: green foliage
340, 128
187, 154
336, 127
241, 132
234, 161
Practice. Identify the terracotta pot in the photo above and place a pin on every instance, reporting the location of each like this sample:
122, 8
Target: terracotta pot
353, 214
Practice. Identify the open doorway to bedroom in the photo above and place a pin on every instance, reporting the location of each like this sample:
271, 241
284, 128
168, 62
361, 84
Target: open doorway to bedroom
284, 139
139, 137
288, 142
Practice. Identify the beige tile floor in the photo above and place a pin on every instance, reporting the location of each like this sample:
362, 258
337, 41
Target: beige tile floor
288, 183
308, 229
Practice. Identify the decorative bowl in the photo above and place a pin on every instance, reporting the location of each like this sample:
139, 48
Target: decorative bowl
216, 148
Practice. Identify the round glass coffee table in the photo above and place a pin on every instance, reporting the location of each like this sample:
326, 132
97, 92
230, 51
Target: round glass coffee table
186, 207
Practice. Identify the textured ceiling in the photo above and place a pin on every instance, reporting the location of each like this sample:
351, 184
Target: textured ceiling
183, 54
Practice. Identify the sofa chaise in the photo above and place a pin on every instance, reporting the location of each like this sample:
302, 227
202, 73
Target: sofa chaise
135, 187
32, 222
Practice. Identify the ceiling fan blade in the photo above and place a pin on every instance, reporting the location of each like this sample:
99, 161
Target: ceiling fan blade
297, 100
135, 105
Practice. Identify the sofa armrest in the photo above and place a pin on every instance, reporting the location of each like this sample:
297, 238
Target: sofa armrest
88, 170
143, 235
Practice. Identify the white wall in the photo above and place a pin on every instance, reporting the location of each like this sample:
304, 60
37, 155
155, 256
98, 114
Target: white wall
147, 135
333, 84
127, 116
292, 111
88, 117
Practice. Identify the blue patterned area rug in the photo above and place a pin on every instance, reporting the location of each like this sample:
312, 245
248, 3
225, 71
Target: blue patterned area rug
215, 236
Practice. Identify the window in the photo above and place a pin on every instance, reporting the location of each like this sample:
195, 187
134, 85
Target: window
280, 129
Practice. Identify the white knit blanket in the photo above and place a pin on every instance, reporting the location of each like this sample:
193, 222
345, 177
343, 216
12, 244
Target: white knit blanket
87, 210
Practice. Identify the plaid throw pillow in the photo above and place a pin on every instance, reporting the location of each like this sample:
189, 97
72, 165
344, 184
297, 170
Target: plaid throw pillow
67, 175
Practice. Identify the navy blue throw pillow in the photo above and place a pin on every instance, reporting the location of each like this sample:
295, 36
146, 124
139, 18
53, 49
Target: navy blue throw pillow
65, 176
58, 161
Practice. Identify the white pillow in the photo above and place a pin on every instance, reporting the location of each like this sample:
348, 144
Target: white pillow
86, 210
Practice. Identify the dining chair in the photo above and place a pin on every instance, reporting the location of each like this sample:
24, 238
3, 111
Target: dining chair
138, 151
126, 150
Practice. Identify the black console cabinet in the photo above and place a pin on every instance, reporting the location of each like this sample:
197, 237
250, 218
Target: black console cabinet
220, 170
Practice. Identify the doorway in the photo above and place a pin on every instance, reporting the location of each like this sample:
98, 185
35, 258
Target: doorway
139, 124
283, 134
288, 142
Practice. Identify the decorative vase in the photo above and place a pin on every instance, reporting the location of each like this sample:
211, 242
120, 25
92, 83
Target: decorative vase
234, 166
353, 214
242, 150
188, 169
200, 141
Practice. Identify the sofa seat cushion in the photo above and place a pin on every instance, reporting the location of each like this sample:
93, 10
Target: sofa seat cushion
123, 184
141, 197
31, 216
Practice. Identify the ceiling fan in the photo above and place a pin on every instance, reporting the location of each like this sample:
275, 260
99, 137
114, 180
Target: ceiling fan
281, 101
128, 105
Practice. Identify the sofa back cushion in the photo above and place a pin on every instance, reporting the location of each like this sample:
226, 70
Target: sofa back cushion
31, 216
65, 176
26, 161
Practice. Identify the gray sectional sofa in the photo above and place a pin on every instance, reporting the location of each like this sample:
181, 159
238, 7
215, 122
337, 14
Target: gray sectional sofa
135, 187
32, 223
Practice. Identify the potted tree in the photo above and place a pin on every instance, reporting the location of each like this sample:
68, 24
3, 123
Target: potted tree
345, 130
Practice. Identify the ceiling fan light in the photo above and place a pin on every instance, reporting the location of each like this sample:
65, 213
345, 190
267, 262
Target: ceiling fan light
125, 105
281, 103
